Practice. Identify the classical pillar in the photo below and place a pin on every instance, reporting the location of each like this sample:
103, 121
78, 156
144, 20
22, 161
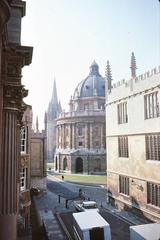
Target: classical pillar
87, 135
57, 136
9, 198
4, 16
74, 135
91, 135
13, 107
101, 136
70, 136
64, 137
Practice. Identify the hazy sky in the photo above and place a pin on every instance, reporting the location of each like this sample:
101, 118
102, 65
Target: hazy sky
67, 35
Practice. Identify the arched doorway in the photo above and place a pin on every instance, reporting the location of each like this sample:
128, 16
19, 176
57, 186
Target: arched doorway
56, 166
79, 165
65, 163
97, 165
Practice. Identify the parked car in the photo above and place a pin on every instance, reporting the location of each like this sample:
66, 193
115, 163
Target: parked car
82, 206
35, 191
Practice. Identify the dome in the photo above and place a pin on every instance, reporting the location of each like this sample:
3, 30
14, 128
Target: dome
93, 85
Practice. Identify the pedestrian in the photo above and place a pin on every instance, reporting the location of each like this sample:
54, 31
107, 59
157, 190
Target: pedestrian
62, 177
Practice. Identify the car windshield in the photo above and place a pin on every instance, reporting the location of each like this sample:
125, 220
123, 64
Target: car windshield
89, 207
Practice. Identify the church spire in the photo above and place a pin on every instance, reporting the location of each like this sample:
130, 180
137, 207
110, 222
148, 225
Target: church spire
108, 77
54, 94
133, 66
45, 120
37, 125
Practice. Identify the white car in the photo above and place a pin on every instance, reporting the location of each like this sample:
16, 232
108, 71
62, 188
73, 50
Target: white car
82, 206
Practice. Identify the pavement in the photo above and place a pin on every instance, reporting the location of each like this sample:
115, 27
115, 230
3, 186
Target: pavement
48, 205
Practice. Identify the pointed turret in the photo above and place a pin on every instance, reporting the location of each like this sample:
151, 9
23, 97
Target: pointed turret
54, 94
108, 77
37, 125
133, 66
45, 120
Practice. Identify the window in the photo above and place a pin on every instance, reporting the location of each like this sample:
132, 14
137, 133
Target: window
80, 144
153, 147
86, 106
124, 185
24, 140
80, 131
122, 113
153, 194
96, 144
123, 147
23, 179
151, 105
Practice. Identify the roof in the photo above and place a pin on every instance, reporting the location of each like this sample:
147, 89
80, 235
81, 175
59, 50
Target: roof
90, 219
146, 231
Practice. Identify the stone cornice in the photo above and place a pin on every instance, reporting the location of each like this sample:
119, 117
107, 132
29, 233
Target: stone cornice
19, 4
21, 51
132, 95
4, 13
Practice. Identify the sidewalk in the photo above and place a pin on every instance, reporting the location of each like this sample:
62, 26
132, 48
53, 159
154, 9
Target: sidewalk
47, 206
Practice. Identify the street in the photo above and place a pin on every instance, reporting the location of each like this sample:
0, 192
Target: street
119, 227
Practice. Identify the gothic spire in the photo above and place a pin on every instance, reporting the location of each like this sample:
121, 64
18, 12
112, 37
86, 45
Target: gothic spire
37, 125
45, 120
108, 77
54, 94
133, 66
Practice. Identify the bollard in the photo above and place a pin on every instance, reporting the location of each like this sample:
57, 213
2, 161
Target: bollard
66, 203
59, 198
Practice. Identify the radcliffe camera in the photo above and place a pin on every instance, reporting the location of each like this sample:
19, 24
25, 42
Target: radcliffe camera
79, 120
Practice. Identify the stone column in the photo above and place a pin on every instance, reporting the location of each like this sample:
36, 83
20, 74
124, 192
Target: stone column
57, 136
70, 136
101, 136
9, 190
61, 136
64, 137
86, 135
14, 59
74, 135
91, 135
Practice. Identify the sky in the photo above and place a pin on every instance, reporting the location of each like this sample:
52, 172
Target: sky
67, 35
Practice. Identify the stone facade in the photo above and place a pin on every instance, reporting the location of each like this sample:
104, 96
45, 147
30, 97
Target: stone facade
13, 57
80, 133
133, 143
38, 159
25, 175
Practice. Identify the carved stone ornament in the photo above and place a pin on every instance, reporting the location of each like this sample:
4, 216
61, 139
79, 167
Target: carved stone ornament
13, 70
13, 96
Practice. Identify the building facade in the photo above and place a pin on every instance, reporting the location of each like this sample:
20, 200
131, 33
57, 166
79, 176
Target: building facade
133, 143
54, 109
25, 173
13, 56
80, 133
38, 158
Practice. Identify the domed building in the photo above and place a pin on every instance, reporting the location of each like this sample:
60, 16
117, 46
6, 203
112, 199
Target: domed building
80, 133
